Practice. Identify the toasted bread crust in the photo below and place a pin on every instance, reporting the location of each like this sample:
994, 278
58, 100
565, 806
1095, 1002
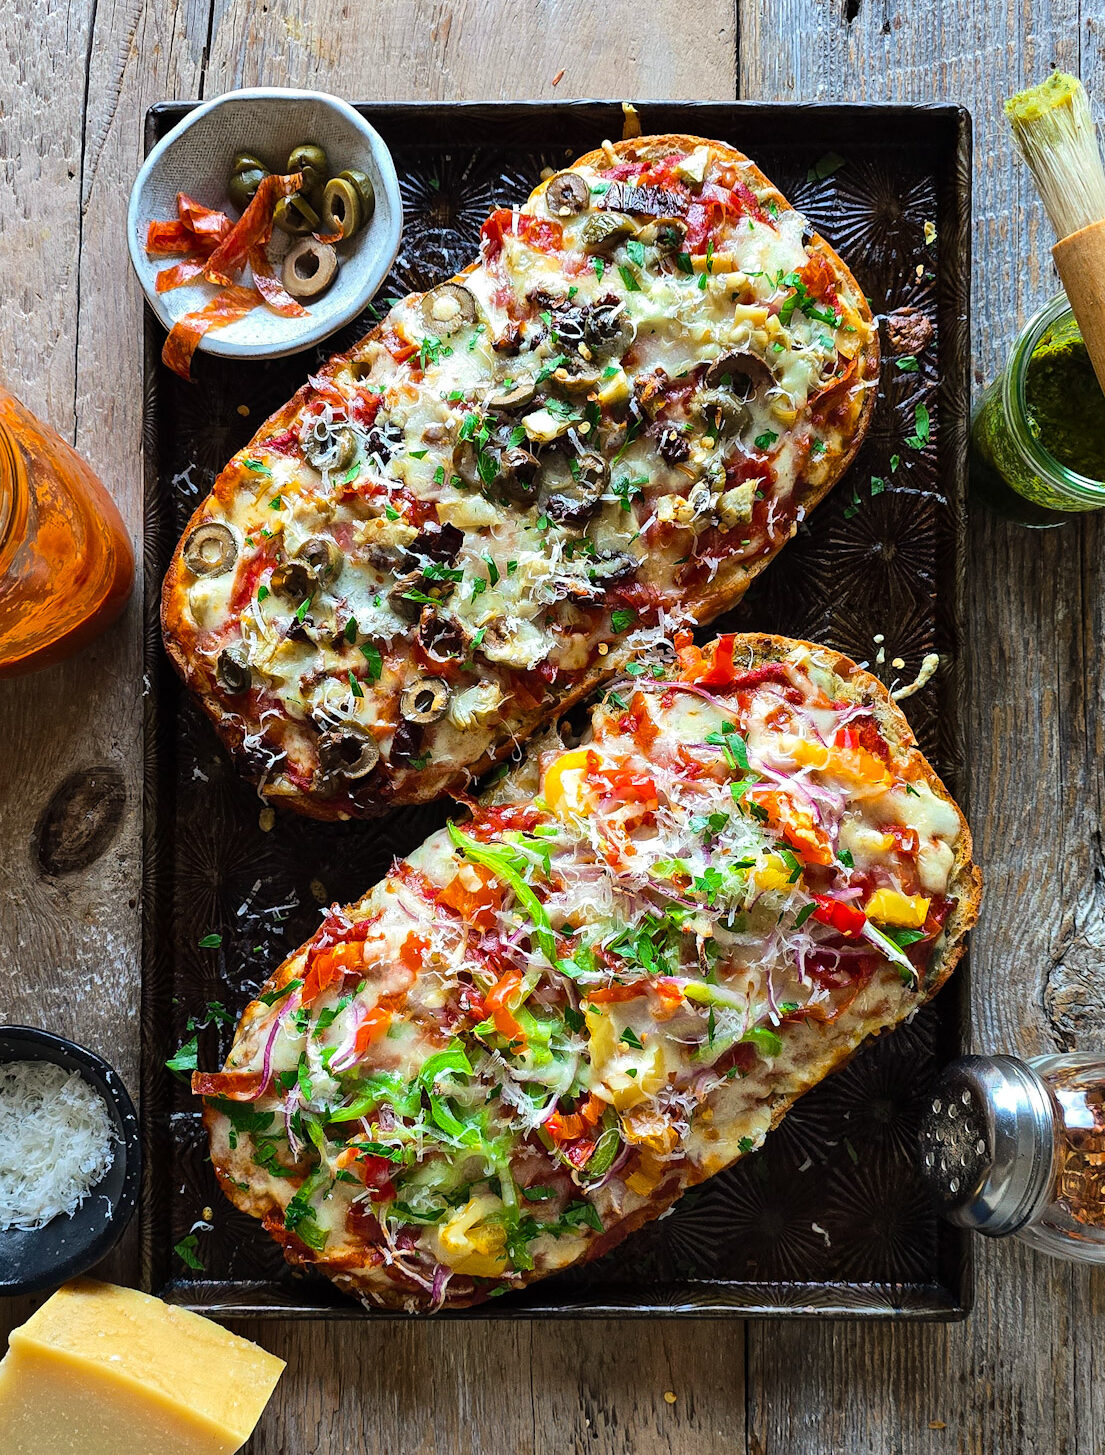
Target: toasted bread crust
391, 786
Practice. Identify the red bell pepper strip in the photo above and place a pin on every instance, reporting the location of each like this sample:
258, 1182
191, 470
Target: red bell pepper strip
838, 915
374, 1025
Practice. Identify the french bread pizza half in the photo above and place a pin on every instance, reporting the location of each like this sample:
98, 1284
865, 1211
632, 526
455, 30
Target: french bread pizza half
606, 984
598, 433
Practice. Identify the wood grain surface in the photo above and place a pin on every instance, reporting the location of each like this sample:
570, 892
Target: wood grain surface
1025, 1373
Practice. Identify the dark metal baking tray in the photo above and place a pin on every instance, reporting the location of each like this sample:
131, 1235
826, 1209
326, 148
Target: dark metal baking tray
829, 1218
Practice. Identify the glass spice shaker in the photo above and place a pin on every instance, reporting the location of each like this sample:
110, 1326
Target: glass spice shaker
1009, 1146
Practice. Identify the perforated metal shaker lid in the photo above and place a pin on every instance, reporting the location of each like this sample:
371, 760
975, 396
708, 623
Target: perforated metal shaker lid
988, 1144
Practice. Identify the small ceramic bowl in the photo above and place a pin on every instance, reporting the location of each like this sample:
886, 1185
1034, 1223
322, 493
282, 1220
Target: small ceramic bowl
195, 157
31, 1259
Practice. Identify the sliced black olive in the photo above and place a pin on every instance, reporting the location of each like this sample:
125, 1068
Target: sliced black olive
441, 638
406, 743
232, 671
740, 372
312, 161
608, 330
295, 215
448, 308
604, 230
365, 190
294, 579
309, 268
576, 500
211, 549
341, 208
673, 445
425, 701
328, 445
513, 396
643, 201
383, 440
323, 558
722, 415
413, 591
243, 186
437, 543
567, 194
347, 753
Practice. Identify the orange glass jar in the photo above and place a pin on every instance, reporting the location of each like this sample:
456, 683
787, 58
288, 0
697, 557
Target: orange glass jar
66, 564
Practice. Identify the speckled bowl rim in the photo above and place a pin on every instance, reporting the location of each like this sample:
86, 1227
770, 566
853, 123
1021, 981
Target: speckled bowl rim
388, 217
33, 1044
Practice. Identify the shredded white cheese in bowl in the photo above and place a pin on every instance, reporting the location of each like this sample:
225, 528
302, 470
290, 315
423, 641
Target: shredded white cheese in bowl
57, 1141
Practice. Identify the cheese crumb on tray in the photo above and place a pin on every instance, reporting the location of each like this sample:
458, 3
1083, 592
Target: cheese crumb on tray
102, 1370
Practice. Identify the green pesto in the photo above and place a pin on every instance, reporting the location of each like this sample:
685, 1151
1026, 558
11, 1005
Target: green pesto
1064, 402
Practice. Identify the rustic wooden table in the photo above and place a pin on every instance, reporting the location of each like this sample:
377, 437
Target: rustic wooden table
1025, 1373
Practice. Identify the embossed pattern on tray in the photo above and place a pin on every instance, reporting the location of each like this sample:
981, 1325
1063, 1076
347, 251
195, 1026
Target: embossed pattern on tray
830, 1215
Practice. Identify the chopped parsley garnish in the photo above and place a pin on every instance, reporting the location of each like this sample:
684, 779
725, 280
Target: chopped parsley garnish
622, 619
845, 857
766, 440
211, 941
630, 1038
187, 1250
635, 251
351, 629
599, 267
907, 364
374, 660
258, 467
276, 503
355, 686
303, 608
272, 996
683, 263
825, 167
920, 436
186, 1058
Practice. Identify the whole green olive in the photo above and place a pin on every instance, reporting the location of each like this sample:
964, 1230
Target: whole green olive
243, 186
244, 160
365, 190
341, 207
310, 159
295, 215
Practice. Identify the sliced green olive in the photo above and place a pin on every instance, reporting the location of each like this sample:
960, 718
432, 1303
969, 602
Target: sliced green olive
295, 580
323, 557
513, 396
425, 701
604, 230
310, 267
722, 415
243, 186
328, 446
517, 477
310, 159
211, 549
232, 671
578, 498
365, 190
341, 207
448, 308
567, 194
347, 753
295, 215
466, 462
608, 330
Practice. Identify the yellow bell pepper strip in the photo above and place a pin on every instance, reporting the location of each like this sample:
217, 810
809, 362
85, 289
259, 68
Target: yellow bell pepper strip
889, 907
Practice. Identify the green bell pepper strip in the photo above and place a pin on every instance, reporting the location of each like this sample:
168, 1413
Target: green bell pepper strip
499, 863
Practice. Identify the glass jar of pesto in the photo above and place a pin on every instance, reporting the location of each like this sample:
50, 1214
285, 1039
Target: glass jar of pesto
1039, 429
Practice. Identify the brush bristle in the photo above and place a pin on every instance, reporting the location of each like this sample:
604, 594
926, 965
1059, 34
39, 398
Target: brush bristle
1055, 132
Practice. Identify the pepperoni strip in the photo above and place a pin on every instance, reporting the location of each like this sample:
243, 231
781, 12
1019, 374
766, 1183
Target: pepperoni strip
269, 286
226, 308
252, 230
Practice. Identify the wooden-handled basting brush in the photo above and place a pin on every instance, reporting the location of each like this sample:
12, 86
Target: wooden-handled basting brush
1055, 132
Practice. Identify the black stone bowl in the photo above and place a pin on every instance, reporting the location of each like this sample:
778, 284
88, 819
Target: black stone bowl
33, 1259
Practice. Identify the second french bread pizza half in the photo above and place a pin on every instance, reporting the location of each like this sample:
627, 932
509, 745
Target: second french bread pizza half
605, 985
597, 434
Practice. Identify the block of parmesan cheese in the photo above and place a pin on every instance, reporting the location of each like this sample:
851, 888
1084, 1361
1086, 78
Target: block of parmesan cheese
102, 1370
